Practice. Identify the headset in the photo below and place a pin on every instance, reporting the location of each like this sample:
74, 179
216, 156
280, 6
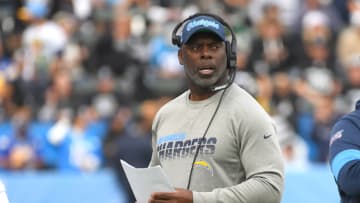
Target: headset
230, 45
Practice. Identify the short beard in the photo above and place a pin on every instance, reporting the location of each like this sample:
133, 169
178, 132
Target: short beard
208, 82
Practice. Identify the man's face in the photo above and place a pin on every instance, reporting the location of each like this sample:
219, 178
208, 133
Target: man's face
204, 60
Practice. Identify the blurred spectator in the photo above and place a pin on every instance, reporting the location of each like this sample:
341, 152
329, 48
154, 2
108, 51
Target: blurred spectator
130, 140
351, 88
243, 60
165, 75
270, 52
236, 13
106, 99
348, 42
21, 151
315, 63
325, 7
284, 98
265, 91
118, 131
288, 10
77, 148
59, 95
316, 82
317, 43
7, 106
5, 60
42, 40
55, 135
293, 147
316, 85
237, 8
120, 44
247, 81
164, 57
118, 126
325, 116
71, 57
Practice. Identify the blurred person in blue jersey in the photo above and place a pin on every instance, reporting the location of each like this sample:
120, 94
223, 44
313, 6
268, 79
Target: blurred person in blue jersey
345, 155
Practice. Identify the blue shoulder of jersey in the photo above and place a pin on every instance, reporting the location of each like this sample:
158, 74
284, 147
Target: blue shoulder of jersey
344, 153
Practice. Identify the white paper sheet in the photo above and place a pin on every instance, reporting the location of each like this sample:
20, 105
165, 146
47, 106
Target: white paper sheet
144, 181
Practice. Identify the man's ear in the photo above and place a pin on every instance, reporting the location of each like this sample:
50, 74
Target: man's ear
180, 57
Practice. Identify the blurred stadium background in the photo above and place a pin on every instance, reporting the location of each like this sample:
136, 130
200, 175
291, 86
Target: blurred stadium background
81, 80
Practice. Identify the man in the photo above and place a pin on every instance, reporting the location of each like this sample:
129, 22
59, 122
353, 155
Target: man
345, 156
214, 141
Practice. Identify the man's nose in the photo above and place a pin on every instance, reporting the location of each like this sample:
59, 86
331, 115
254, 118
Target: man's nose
206, 52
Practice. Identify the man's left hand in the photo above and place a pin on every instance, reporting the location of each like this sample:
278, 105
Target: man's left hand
179, 196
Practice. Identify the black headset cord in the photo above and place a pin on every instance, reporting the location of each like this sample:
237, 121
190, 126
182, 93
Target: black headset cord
203, 137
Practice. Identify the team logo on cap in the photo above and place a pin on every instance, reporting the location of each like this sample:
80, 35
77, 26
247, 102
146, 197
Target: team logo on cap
202, 22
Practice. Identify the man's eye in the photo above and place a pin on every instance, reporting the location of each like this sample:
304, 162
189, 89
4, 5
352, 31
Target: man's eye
194, 47
215, 47
210, 47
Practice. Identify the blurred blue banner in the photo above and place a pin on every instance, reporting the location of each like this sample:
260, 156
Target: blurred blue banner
54, 187
312, 185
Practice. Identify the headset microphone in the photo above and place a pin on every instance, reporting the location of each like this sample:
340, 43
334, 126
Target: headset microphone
220, 87
227, 84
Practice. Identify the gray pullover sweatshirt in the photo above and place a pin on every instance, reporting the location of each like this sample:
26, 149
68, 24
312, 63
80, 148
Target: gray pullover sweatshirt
239, 159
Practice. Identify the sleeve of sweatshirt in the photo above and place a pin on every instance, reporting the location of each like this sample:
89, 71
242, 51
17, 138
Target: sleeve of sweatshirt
261, 157
154, 157
345, 156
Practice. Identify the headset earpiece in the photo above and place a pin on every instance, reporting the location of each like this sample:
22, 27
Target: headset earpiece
176, 40
230, 46
231, 55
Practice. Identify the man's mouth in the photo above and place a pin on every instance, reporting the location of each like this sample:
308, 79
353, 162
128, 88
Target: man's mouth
206, 70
